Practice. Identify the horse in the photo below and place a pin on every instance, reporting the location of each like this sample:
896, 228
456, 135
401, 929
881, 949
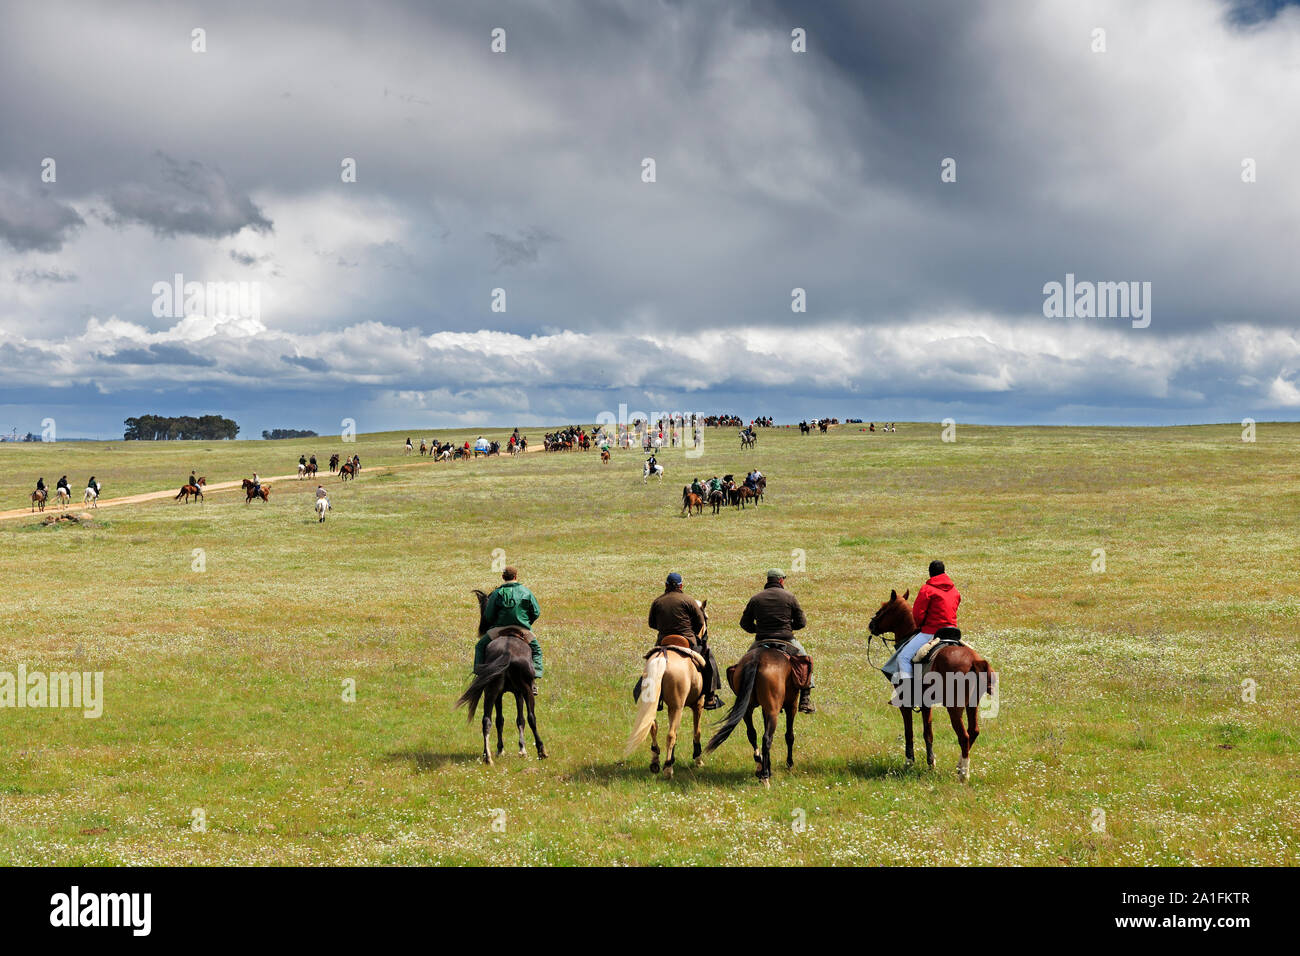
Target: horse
674, 674
322, 506
302, 470
507, 668
963, 678
39, 497
310, 470
748, 441
91, 496
64, 496
262, 492
347, 470
822, 426
742, 494
646, 472
424, 449
691, 502
604, 456
187, 491
717, 498
762, 678
804, 429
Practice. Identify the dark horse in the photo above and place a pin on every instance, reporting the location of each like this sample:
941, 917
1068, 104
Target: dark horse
962, 677
762, 678
250, 493
507, 669
348, 470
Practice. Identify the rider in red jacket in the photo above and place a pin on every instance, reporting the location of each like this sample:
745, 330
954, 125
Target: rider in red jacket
936, 602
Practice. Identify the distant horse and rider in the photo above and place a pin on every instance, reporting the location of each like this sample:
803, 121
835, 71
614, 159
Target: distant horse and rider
256, 489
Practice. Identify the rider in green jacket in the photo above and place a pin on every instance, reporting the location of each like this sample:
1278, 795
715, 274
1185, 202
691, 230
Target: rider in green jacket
510, 605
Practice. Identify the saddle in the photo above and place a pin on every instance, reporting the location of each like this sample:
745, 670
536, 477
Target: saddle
800, 667
943, 637
676, 644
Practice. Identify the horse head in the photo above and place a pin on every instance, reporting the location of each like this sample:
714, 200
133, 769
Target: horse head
482, 610
893, 617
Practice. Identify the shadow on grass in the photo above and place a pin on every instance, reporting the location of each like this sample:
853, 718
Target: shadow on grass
686, 774
422, 761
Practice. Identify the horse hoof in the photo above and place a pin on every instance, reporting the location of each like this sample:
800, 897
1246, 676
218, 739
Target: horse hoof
767, 781
909, 763
523, 752
487, 759
699, 761
542, 755
654, 767
668, 773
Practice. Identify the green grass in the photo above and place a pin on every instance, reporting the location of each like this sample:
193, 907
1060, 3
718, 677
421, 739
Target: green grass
1121, 690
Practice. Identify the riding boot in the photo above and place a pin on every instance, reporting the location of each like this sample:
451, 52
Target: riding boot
805, 701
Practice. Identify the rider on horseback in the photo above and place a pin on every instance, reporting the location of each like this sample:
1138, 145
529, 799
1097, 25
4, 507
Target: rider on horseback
510, 605
63, 483
40, 484
257, 484
935, 608
674, 612
193, 481
773, 615
697, 488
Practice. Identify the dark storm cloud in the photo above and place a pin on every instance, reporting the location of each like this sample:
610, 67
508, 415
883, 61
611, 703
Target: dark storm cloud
304, 361
521, 250
188, 198
35, 221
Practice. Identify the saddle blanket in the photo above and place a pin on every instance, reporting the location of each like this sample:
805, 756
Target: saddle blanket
923, 655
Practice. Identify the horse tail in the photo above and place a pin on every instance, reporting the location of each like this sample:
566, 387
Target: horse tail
490, 673
648, 703
739, 709
981, 666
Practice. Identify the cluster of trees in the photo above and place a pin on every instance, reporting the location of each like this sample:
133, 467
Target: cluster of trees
182, 427
275, 433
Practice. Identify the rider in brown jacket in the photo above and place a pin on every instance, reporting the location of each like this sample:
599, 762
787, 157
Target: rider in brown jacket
774, 614
674, 612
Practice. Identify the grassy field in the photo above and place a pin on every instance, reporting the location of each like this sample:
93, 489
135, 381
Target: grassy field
1122, 735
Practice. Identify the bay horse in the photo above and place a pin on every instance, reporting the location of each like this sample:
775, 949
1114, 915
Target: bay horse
348, 470
604, 456
762, 678
717, 498
310, 470
187, 491
963, 678
691, 502
673, 673
249, 494
507, 668
38, 499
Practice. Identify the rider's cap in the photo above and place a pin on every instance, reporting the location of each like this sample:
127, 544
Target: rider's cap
775, 574
674, 579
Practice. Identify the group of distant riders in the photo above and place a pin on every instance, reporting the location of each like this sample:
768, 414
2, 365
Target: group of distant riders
92, 486
772, 616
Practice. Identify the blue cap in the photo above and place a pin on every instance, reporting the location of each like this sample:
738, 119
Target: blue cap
674, 579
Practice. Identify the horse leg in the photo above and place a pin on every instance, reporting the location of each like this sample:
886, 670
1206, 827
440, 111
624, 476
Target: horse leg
698, 711
674, 723
907, 734
789, 734
769, 731
519, 724
753, 737
487, 730
532, 725
963, 738
926, 715
654, 746
501, 721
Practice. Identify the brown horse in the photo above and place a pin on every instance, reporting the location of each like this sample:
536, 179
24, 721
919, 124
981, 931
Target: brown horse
348, 470
249, 493
187, 491
741, 494
309, 470
39, 498
674, 674
507, 668
762, 678
604, 456
691, 502
956, 678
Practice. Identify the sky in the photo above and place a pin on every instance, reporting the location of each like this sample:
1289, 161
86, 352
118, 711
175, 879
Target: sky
921, 171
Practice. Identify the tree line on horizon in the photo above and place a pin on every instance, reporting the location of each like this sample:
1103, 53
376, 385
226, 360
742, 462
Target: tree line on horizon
277, 433
179, 428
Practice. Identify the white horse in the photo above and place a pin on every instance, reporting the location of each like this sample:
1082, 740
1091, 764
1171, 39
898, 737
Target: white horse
658, 471
302, 470
91, 497
64, 496
322, 506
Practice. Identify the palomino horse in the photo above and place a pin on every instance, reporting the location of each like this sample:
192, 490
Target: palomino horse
507, 669
658, 471
38, 499
187, 491
249, 492
673, 674
762, 678
691, 502
961, 678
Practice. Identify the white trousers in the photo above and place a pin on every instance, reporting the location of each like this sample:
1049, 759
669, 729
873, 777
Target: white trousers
908, 651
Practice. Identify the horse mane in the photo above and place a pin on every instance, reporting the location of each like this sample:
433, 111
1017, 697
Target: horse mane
482, 610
